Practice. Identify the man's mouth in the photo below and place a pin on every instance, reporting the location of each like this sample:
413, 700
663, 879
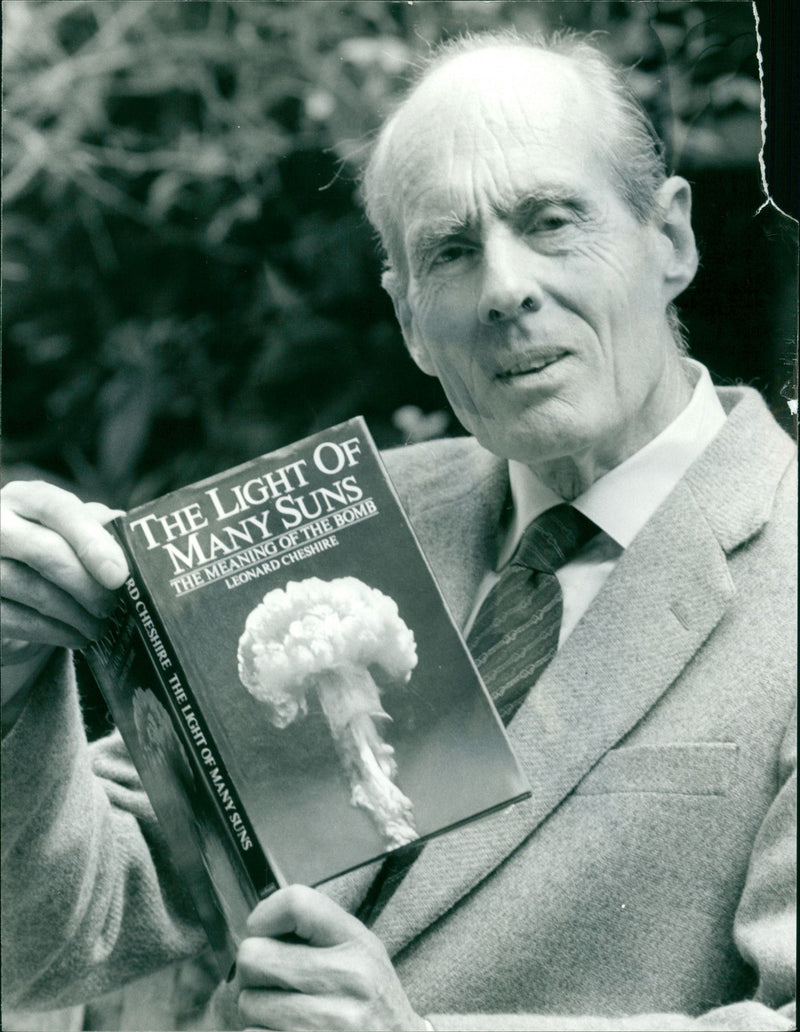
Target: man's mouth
525, 366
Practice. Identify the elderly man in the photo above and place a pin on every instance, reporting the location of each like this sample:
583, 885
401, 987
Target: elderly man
535, 246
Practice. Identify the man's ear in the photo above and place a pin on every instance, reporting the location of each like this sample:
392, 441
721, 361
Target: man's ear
402, 309
674, 217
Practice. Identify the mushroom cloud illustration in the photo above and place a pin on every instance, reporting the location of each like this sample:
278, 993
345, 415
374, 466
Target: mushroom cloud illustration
323, 636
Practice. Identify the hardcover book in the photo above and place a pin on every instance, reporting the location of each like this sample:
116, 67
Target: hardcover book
288, 680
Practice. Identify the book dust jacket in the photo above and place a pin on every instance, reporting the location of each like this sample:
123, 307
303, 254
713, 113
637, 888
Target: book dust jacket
288, 679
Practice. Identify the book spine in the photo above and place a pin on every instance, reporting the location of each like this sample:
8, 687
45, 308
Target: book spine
193, 728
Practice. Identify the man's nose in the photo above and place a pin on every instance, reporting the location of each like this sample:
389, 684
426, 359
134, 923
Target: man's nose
509, 286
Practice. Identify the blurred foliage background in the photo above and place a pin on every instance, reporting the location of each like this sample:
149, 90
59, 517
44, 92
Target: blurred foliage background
189, 279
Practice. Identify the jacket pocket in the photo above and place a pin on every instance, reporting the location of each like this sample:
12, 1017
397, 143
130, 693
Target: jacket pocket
701, 768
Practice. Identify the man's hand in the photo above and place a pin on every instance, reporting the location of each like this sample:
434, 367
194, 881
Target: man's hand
59, 569
338, 976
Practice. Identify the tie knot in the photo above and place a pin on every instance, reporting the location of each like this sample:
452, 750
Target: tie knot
553, 538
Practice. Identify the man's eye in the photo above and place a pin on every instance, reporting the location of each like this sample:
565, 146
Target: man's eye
450, 253
548, 222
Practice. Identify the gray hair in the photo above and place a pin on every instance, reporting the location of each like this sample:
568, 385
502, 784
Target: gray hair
634, 153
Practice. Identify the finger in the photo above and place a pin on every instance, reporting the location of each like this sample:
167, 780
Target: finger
50, 555
270, 964
101, 513
259, 964
23, 624
22, 584
304, 912
15, 652
276, 1009
80, 525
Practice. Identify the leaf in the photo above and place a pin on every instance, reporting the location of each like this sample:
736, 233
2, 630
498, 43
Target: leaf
128, 403
164, 192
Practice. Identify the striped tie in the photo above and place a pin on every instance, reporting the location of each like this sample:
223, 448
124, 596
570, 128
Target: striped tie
515, 634
514, 637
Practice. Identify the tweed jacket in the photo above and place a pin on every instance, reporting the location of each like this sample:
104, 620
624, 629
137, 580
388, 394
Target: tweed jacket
648, 883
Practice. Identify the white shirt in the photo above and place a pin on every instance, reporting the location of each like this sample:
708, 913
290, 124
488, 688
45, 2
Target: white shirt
620, 503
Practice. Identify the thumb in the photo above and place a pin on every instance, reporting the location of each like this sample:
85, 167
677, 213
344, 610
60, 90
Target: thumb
100, 512
306, 913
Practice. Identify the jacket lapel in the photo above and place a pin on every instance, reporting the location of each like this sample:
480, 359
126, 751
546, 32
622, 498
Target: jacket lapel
631, 645
455, 507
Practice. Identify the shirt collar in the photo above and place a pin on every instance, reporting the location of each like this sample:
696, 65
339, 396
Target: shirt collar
625, 498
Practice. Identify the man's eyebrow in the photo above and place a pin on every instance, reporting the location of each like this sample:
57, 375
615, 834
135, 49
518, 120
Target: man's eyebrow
532, 203
438, 230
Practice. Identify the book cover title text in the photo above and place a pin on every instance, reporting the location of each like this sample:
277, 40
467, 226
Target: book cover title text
275, 511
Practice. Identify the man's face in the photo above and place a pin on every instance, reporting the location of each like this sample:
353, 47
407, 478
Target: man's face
534, 294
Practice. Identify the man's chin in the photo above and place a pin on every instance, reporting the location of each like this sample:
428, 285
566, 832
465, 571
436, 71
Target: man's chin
531, 445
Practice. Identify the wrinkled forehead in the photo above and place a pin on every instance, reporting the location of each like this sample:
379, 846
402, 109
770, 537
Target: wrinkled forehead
487, 120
